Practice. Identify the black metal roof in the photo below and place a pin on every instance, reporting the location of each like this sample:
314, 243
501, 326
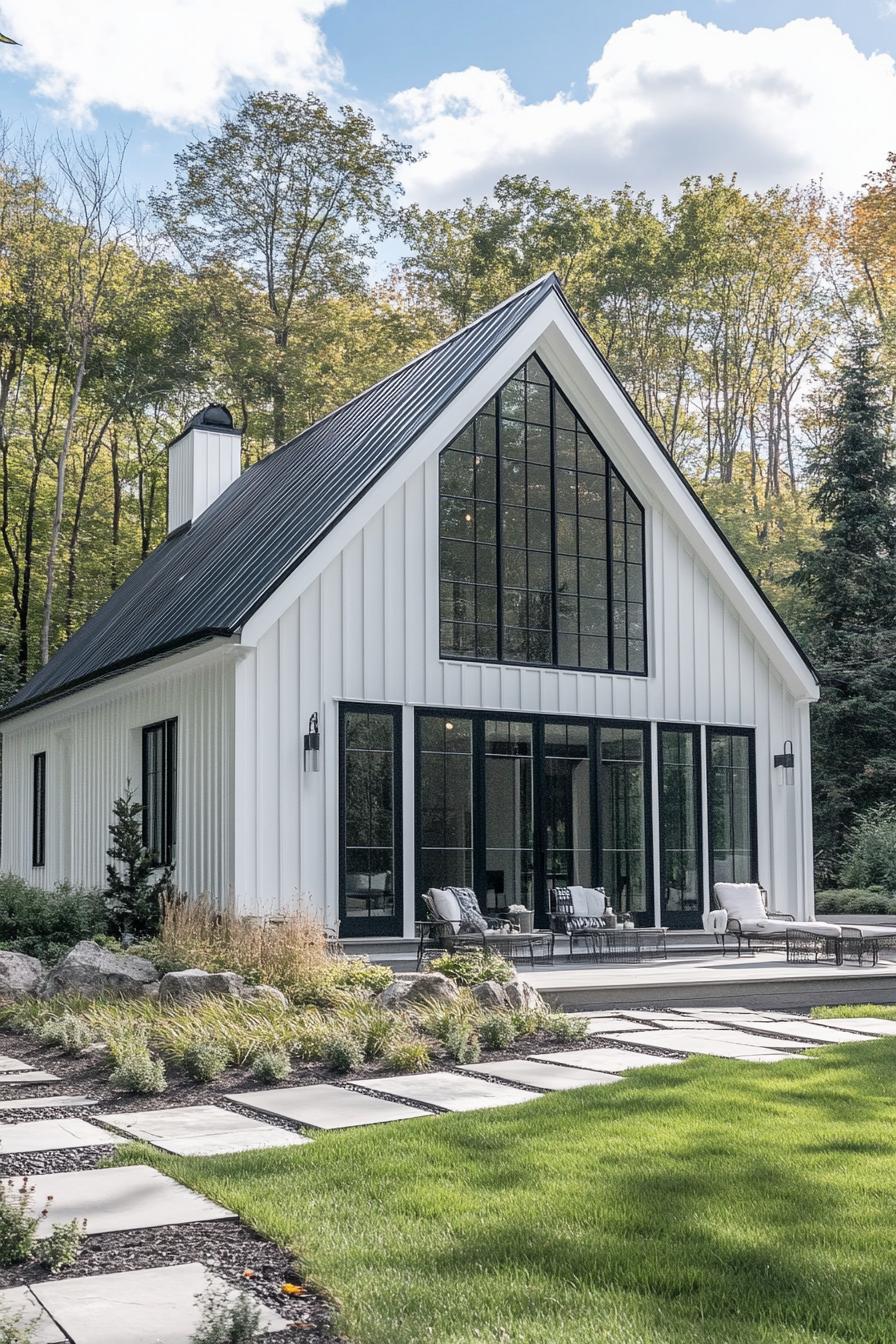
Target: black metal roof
205, 580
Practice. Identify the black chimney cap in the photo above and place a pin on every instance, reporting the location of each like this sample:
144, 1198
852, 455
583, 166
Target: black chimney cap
215, 417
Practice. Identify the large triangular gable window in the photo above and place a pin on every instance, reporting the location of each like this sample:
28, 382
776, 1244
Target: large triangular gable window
541, 552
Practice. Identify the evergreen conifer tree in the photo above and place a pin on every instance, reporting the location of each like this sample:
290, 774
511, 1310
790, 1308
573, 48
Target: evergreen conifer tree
851, 583
133, 898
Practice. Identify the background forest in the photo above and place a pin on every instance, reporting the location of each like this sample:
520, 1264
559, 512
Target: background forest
757, 332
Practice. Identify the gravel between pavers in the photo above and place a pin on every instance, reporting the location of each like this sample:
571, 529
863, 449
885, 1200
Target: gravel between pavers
226, 1248
56, 1159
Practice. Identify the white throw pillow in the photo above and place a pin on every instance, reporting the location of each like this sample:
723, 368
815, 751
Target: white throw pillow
579, 902
446, 906
596, 898
742, 900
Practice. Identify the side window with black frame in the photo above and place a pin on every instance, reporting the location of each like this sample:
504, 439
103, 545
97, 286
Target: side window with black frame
39, 810
160, 790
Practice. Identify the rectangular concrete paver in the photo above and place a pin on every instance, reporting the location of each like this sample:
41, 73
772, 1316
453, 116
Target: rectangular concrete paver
869, 1026
45, 1103
43, 1136
118, 1199
816, 1032
326, 1107
10, 1065
451, 1091
608, 1059
34, 1076
19, 1305
723, 1044
598, 1025
142, 1306
537, 1073
202, 1131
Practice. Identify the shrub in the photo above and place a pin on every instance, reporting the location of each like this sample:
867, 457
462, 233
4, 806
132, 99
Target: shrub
380, 1030
408, 1057
855, 901
496, 1031
205, 1061
14, 1329
62, 1247
526, 1021
68, 1031
871, 849
135, 1068
359, 973
343, 1053
234, 1320
271, 1066
461, 1041
47, 924
564, 1028
473, 968
18, 1222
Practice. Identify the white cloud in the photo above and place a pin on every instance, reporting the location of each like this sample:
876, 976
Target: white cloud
173, 61
668, 97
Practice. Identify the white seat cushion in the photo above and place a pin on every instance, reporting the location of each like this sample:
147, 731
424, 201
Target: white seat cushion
579, 899
446, 906
780, 926
596, 900
742, 900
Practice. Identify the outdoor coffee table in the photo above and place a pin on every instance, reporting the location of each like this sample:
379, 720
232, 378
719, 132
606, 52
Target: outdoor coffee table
513, 946
621, 944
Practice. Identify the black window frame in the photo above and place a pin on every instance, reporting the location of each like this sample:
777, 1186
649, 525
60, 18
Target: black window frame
39, 809
614, 565
165, 731
478, 718
750, 734
675, 918
393, 925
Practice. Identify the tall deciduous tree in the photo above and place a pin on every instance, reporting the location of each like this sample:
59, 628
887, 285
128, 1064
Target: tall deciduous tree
292, 198
850, 580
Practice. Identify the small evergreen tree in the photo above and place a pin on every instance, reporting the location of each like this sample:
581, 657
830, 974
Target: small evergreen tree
851, 583
133, 897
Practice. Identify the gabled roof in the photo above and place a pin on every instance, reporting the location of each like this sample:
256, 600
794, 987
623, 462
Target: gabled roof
206, 580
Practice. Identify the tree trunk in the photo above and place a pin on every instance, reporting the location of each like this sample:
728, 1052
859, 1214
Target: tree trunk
56, 527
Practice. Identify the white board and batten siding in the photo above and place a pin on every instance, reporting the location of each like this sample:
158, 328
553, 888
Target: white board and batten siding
366, 629
93, 741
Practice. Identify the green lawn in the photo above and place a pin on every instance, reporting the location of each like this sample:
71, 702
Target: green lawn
709, 1203
857, 1010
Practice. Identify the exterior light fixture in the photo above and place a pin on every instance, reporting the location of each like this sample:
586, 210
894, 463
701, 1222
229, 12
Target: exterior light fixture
312, 745
785, 759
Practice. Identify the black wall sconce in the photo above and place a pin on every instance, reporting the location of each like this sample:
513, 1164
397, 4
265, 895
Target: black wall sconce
785, 759
312, 745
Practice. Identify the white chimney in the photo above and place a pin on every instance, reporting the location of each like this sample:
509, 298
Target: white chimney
202, 461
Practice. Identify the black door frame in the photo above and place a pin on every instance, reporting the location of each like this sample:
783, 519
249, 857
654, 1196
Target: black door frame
478, 719
678, 919
720, 730
391, 926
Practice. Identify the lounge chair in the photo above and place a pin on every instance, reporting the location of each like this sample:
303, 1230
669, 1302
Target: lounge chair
457, 923
741, 912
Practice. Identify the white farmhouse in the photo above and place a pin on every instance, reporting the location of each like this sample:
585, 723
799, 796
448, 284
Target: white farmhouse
474, 628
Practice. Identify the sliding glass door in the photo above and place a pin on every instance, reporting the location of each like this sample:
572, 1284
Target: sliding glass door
624, 829
567, 805
732, 805
509, 814
681, 859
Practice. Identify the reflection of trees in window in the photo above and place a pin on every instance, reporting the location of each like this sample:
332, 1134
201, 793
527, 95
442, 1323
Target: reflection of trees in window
679, 829
369, 823
731, 806
623, 816
446, 802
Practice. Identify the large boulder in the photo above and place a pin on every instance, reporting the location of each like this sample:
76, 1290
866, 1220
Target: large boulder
19, 975
490, 994
415, 988
270, 993
520, 994
179, 986
91, 970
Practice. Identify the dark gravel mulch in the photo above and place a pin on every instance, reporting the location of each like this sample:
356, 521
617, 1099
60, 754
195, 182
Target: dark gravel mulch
228, 1249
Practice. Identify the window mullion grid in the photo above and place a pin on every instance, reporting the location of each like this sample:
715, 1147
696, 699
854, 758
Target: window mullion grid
609, 524
499, 529
555, 602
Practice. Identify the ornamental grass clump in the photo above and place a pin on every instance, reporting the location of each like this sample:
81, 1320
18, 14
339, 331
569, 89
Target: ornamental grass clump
205, 1061
271, 1066
408, 1057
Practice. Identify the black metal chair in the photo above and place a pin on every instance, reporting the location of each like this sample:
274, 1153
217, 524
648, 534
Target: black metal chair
563, 919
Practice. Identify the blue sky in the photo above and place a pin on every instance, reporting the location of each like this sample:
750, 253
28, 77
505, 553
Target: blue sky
586, 92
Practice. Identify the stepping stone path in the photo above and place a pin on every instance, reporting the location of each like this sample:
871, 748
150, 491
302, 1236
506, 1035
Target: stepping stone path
450, 1091
163, 1306
22, 1306
325, 1107
118, 1199
43, 1136
45, 1103
605, 1059
142, 1306
201, 1131
536, 1073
